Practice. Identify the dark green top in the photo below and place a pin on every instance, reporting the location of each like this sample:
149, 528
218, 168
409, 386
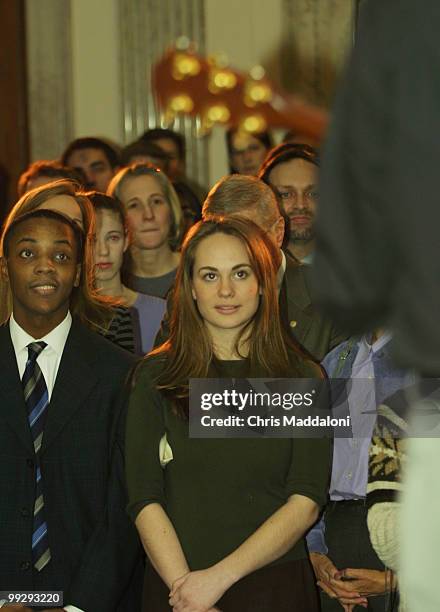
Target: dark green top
217, 492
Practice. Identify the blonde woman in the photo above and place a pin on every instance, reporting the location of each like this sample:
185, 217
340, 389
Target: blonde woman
154, 218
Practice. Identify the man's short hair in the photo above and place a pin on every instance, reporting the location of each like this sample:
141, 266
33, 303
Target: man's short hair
44, 213
284, 153
159, 133
144, 148
240, 193
91, 143
51, 169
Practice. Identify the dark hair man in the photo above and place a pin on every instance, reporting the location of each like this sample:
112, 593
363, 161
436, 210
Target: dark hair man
141, 151
95, 158
173, 144
62, 396
291, 170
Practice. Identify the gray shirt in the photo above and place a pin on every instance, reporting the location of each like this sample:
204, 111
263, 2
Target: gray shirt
152, 285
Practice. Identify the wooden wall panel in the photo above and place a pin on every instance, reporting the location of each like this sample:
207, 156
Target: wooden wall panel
14, 150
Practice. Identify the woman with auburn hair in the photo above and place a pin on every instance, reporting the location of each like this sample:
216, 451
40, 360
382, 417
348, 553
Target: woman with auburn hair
101, 313
222, 520
155, 223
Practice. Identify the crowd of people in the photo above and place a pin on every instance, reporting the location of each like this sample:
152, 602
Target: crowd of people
120, 281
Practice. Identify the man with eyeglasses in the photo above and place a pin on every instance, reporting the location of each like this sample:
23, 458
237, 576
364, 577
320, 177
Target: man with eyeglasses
291, 171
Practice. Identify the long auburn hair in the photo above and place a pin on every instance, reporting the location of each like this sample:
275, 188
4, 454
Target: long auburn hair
189, 352
91, 308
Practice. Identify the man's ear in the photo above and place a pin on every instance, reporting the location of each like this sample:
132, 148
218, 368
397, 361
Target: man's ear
4, 269
279, 230
77, 275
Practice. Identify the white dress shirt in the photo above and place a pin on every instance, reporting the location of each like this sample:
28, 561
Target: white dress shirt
49, 361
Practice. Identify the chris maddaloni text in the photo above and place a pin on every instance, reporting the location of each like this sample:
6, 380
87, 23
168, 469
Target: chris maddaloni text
288, 420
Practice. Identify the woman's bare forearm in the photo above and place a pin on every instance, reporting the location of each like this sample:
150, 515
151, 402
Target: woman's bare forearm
161, 543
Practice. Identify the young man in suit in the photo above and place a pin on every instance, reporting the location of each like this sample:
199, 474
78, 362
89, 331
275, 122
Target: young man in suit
63, 525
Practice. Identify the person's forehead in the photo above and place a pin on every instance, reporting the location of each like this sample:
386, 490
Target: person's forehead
241, 141
144, 184
222, 249
42, 228
108, 219
87, 156
293, 171
167, 144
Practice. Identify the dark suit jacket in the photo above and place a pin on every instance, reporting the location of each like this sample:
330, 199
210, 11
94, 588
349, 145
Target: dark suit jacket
308, 326
94, 546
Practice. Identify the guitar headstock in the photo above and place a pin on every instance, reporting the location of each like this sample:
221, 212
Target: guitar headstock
188, 83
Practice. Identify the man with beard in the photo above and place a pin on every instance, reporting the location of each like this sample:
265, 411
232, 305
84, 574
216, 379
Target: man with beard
291, 171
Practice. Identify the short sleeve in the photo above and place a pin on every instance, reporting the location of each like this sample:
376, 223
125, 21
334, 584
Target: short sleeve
309, 472
144, 430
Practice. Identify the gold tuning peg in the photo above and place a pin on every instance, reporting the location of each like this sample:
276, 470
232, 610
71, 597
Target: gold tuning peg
253, 124
217, 113
257, 73
182, 103
218, 60
185, 65
257, 89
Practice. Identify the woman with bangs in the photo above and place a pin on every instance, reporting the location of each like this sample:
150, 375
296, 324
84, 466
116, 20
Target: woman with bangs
101, 313
222, 520
155, 223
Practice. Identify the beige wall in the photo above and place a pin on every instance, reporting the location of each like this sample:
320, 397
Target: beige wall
249, 32
85, 83
95, 69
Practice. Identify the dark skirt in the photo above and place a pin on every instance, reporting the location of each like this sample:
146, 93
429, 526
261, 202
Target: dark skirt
287, 587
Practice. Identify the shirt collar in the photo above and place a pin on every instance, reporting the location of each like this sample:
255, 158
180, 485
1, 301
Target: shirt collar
367, 350
55, 339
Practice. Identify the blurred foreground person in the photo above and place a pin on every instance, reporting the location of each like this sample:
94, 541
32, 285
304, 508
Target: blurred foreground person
378, 250
222, 520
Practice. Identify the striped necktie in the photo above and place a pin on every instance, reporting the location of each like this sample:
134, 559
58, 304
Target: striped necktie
37, 400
